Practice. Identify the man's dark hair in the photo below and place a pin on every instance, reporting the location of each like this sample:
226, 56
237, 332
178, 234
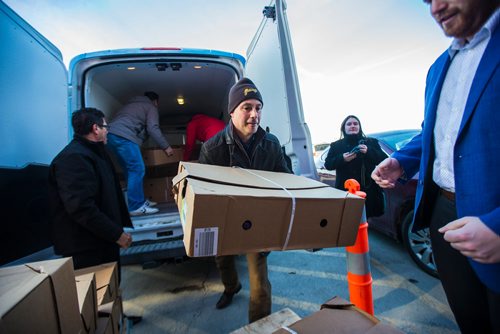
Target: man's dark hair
83, 119
152, 96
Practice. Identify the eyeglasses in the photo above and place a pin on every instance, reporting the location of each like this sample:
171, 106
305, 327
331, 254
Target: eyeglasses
105, 126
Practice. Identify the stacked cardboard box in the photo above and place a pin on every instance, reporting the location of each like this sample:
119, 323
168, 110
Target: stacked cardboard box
109, 309
87, 301
227, 211
50, 297
158, 189
160, 169
39, 297
157, 157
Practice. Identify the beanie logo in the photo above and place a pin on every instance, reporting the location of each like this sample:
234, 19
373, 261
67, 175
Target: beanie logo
249, 90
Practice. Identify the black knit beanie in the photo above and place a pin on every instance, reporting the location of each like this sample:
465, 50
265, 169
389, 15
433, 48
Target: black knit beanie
241, 91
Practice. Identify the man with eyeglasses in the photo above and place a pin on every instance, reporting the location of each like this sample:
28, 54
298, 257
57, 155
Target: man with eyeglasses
88, 210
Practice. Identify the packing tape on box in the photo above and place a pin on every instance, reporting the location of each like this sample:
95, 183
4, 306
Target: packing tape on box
292, 216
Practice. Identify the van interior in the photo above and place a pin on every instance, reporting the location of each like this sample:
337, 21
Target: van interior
185, 88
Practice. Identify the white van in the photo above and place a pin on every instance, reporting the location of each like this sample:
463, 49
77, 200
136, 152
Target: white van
38, 95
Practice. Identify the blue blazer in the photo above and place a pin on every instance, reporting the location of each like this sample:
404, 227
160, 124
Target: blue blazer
476, 155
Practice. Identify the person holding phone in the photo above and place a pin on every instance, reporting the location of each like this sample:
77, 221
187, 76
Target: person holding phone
354, 156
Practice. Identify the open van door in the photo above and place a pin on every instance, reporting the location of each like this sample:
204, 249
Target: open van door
34, 93
271, 65
34, 127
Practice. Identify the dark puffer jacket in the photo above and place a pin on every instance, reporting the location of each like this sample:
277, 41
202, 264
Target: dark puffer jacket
224, 150
87, 205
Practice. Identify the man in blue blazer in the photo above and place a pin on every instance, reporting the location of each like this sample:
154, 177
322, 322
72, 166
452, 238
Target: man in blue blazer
457, 154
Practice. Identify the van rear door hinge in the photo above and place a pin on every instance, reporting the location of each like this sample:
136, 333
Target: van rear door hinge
270, 12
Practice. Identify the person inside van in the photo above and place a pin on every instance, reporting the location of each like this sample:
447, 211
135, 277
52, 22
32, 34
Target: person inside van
201, 127
245, 144
129, 128
354, 156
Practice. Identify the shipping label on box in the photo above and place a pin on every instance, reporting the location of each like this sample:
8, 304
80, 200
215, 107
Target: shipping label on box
106, 276
156, 156
261, 211
39, 293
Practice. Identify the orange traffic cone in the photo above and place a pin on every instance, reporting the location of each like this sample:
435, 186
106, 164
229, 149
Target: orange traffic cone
359, 276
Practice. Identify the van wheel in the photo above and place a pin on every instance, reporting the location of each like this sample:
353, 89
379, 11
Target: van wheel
418, 245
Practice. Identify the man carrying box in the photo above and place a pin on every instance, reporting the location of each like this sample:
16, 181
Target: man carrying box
243, 143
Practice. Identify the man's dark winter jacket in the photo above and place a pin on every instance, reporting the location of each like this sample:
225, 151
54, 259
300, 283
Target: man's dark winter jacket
225, 150
87, 205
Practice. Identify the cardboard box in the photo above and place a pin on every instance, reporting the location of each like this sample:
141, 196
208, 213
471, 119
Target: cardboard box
156, 156
104, 325
87, 301
162, 170
158, 189
228, 211
39, 295
114, 312
269, 324
339, 316
106, 277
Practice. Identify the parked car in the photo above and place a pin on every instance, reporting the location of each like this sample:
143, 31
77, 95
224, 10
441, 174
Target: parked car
397, 221
318, 152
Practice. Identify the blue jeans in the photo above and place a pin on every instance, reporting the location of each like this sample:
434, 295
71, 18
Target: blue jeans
130, 158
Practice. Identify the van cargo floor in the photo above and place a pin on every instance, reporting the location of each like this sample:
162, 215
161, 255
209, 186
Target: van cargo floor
157, 250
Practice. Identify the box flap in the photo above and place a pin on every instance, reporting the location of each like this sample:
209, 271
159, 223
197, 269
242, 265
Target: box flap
337, 303
16, 283
245, 177
27, 277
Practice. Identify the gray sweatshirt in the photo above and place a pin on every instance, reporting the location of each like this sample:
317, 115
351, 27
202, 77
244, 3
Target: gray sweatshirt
138, 119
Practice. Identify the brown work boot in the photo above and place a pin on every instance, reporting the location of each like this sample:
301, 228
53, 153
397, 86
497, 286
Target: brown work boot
227, 297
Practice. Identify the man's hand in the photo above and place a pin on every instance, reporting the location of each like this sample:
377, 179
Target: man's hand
387, 173
473, 238
125, 240
169, 151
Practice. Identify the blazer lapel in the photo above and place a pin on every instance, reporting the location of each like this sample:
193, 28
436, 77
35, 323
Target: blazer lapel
489, 62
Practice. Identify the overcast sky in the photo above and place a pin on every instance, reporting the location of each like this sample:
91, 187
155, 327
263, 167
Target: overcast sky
367, 58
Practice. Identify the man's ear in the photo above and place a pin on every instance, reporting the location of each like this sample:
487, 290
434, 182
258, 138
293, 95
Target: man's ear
95, 129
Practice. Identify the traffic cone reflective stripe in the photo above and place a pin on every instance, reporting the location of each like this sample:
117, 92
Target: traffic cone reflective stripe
359, 276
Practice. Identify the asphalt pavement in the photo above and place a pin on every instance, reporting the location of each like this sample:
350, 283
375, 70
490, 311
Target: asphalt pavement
180, 298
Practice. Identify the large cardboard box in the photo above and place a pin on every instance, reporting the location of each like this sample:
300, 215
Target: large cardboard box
339, 316
87, 301
158, 189
39, 297
113, 313
156, 156
106, 277
228, 211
